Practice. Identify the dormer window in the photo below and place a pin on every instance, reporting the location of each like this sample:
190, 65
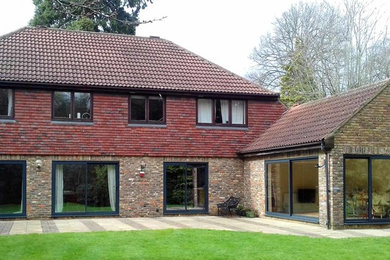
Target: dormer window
222, 112
6, 103
72, 106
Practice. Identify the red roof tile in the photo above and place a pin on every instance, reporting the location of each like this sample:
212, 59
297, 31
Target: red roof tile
54, 56
311, 122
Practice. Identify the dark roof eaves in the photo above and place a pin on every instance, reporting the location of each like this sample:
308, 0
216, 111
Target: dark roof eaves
280, 149
130, 89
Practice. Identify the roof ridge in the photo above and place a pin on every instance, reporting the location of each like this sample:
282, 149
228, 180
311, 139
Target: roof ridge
346, 93
90, 32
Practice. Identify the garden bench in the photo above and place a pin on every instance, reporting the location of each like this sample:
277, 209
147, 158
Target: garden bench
226, 206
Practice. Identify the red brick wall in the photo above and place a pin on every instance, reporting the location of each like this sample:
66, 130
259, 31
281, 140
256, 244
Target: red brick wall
35, 134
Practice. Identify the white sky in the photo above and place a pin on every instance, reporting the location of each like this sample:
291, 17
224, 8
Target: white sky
222, 31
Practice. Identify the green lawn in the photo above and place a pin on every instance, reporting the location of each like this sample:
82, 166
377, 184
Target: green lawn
188, 244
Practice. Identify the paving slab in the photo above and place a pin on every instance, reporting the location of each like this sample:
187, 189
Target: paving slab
264, 225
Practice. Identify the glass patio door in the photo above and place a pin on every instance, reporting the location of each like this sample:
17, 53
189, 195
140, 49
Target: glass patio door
185, 188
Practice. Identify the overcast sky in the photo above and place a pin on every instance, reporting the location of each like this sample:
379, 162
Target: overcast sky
222, 31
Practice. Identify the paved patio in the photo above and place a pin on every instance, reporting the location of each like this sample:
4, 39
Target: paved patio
264, 225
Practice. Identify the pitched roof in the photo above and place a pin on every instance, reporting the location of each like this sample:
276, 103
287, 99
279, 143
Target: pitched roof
311, 122
55, 56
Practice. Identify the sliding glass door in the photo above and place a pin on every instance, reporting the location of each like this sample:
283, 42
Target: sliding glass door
367, 188
292, 188
85, 188
12, 188
185, 188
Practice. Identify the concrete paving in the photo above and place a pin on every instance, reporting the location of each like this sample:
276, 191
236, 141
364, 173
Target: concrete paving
264, 225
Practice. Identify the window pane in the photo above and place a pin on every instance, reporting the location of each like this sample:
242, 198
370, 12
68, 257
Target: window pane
62, 104
101, 195
221, 111
138, 108
196, 187
175, 187
156, 109
381, 188
205, 111
305, 188
238, 112
6, 102
278, 188
70, 188
356, 188
11, 183
82, 104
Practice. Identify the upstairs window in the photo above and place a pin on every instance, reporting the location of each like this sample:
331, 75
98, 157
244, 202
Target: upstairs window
6, 103
73, 106
147, 110
222, 112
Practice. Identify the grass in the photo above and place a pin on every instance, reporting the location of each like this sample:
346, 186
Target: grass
188, 244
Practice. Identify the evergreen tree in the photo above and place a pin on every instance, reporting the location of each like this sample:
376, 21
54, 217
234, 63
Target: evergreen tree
114, 16
297, 83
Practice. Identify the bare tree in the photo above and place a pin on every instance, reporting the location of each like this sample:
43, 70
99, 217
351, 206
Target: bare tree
340, 48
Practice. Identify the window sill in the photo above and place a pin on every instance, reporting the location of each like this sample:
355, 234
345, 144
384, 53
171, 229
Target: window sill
237, 128
70, 123
8, 121
148, 125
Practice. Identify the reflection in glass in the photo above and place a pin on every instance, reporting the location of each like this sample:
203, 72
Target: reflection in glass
70, 188
186, 187
278, 188
62, 104
138, 108
82, 105
11, 183
305, 188
356, 188
381, 189
6, 100
156, 109
175, 187
196, 186
85, 188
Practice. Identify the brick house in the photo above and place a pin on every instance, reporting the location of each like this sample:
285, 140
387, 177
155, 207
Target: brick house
103, 124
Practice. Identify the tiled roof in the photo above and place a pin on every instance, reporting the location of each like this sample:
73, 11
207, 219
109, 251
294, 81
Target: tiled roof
309, 123
54, 56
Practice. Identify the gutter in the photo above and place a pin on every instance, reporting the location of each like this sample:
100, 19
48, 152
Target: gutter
133, 90
293, 148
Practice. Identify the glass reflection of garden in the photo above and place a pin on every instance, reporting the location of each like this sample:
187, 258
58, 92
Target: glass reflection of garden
357, 193
185, 187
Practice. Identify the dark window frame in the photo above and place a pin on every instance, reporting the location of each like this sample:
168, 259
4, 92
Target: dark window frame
86, 213
72, 107
213, 116
12, 116
192, 211
290, 214
369, 220
23, 213
147, 121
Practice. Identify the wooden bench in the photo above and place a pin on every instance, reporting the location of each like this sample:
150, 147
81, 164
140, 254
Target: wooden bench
228, 205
